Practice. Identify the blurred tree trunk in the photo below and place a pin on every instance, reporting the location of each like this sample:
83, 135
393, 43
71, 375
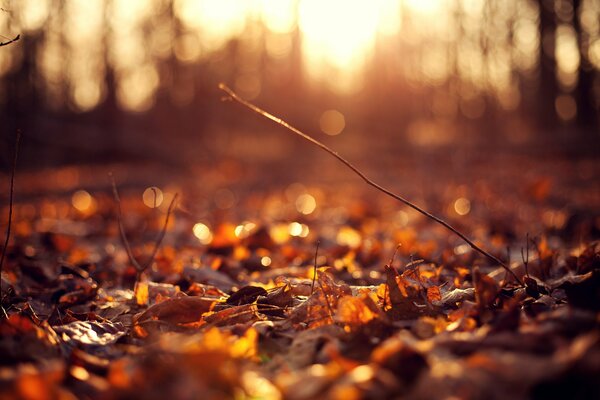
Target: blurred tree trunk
586, 109
548, 88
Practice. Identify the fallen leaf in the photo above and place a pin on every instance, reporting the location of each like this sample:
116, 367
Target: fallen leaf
90, 333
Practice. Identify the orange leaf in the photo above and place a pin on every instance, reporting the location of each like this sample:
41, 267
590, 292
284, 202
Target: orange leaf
433, 294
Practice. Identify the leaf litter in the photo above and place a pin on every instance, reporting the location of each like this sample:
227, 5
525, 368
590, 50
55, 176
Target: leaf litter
242, 307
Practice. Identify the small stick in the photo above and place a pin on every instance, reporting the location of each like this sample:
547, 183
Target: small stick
390, 266
155, 196
139, 268
312, 287
326, 301
16, 38
162, 233
525, 256
11, 196
368, 181
132, 259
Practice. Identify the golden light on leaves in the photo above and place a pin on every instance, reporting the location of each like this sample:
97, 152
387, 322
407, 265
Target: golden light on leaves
354, 311
462, 206
279, 233
152, 197
332, 122
80, 373
141, 293
258, 387
246, 345
203, 233
83, 202
433, 294
362, 373
348, 237
306, 204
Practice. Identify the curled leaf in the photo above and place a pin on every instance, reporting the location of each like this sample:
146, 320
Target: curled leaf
90, 332
173, 313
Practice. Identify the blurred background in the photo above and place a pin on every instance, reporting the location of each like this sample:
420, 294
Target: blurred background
98, 81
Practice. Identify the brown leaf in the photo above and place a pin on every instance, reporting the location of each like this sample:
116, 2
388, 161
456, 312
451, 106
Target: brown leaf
353, 311
246, 295
433, 294
209, 276
90, 332
24, 341
486, 289
403, 307
455, 296
180, 310
233, 315
400, 358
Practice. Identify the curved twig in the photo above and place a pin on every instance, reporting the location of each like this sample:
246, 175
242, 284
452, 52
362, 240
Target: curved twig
368, 181
10, 198
16, 38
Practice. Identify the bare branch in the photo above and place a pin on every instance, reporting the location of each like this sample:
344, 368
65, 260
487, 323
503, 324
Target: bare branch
132, 259
354, 169
312, 287
139, 267
10, 198
161, 236
15, 39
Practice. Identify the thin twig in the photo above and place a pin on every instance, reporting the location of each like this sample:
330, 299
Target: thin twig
312, 287
132, 259
525, 256
368, 181
16, 38
326, 300
10, 197
139, 268
162, 233
155, 196
390, 265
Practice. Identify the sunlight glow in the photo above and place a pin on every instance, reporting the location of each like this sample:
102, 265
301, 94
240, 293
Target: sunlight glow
203, 233
339, 35
217, 21
428, 42
567, 55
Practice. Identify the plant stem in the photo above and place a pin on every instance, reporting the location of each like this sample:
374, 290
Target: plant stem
10, 198
368, 181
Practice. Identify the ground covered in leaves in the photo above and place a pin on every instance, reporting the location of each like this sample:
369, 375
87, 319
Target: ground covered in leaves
232, 305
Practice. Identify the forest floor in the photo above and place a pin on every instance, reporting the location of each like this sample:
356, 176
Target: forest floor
232, 305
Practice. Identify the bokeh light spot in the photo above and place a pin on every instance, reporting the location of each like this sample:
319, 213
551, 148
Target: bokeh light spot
152, 197
462, 206
306, 204
332, 122
203, 233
